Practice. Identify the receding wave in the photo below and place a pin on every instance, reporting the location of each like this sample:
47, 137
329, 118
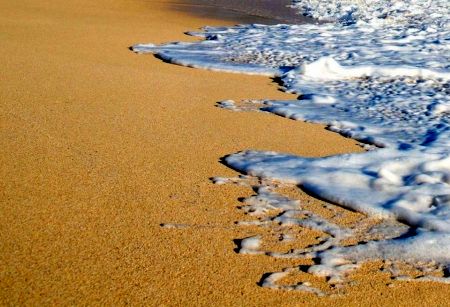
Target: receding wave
378, 72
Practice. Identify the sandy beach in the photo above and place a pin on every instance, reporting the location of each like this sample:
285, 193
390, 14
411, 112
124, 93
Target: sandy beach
100, 146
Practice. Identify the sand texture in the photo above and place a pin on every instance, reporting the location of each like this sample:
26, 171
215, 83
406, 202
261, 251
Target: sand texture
99, 146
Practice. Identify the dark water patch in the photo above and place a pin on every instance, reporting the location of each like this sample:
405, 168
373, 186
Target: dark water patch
244, 11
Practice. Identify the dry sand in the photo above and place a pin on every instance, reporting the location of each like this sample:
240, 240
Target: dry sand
99, 146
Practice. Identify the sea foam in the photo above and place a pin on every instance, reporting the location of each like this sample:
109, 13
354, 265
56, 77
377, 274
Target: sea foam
378, 72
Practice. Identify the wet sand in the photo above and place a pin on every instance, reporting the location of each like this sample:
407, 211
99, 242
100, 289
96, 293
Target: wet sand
100, 146
249, 11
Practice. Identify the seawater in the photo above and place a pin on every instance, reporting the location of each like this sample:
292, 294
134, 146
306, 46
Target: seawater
375, 71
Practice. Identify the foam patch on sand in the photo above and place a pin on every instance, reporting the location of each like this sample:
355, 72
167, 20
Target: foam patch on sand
343, 240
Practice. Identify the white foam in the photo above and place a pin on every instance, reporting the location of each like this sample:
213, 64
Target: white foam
227, 104
380, 74
410, 186
375, 12
271, 282
284, 216
327, 69
250, 246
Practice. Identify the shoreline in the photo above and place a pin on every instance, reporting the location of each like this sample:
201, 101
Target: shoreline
101, 146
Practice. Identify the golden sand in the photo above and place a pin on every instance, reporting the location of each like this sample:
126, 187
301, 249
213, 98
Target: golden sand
99, 146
